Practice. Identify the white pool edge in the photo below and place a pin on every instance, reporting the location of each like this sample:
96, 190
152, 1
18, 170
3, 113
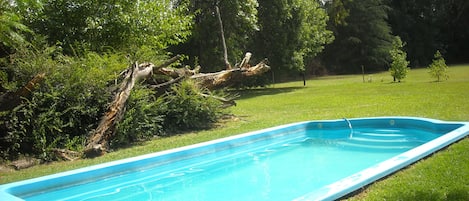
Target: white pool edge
356, 181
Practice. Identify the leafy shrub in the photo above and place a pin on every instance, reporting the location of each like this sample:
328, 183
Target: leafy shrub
67, 105
141, 120
184, 108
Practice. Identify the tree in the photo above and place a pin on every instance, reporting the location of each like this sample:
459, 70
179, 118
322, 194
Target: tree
362, 39
399, 64
438, 68
12, 28
204, 46
427, 26
117, 25
291, 32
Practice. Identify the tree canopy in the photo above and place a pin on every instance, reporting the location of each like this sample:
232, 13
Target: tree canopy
117, 25
291, 32
428, 26
363, 38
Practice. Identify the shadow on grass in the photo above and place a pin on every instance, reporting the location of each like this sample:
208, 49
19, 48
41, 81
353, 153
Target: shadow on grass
250, 93
452, 195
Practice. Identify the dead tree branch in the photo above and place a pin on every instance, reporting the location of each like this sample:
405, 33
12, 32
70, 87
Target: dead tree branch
222, 32
10, 100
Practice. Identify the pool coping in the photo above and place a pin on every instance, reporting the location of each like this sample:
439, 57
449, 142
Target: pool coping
367, 176
330, 192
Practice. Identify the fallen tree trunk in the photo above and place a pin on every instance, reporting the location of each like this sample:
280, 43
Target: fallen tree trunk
98, 142
221, 79
231, 77
10, 100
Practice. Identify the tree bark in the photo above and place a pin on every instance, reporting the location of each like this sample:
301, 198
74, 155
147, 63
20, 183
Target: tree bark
225, 51
10, 100
98, 143
231, 77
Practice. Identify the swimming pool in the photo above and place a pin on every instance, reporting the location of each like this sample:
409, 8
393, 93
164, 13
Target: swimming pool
314, 160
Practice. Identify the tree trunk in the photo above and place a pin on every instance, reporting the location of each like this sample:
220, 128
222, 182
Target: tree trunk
231, 77
10, 100
98, 143
222, 32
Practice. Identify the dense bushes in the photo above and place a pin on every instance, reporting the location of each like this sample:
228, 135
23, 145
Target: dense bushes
184, 108
81, 47
69, 103
180, 109
141, 120
65, 106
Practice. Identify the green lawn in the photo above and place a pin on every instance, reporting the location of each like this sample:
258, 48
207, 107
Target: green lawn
443, 176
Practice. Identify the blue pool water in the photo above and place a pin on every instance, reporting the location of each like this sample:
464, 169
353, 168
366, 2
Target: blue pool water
316, 160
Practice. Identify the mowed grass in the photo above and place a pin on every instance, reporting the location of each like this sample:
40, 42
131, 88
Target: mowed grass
443, 176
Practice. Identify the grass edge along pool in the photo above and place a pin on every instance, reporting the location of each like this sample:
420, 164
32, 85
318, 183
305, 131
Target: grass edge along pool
453, 131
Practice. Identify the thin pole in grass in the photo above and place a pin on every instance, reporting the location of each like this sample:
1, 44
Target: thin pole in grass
363, 73
304, 77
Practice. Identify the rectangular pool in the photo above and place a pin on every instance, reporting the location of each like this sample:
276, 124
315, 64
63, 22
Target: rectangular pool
314, 160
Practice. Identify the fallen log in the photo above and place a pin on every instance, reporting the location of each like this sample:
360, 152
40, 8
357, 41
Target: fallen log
25, 163
10, 100
227, 78
221, 79
66, 154
98, 142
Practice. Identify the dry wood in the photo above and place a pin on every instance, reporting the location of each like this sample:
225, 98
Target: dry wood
245, 62
67, 154
231, 77
98, 142
10, 100
225, 51
25, 163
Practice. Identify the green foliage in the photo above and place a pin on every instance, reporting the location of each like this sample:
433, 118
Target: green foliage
181, 109
11, 28
438, 68
291, 32
239, 22
337, 12
428, 26
118, 25
39, 125
399, 65
141, 120
81, 46
362, 39
184, 108
64, 108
